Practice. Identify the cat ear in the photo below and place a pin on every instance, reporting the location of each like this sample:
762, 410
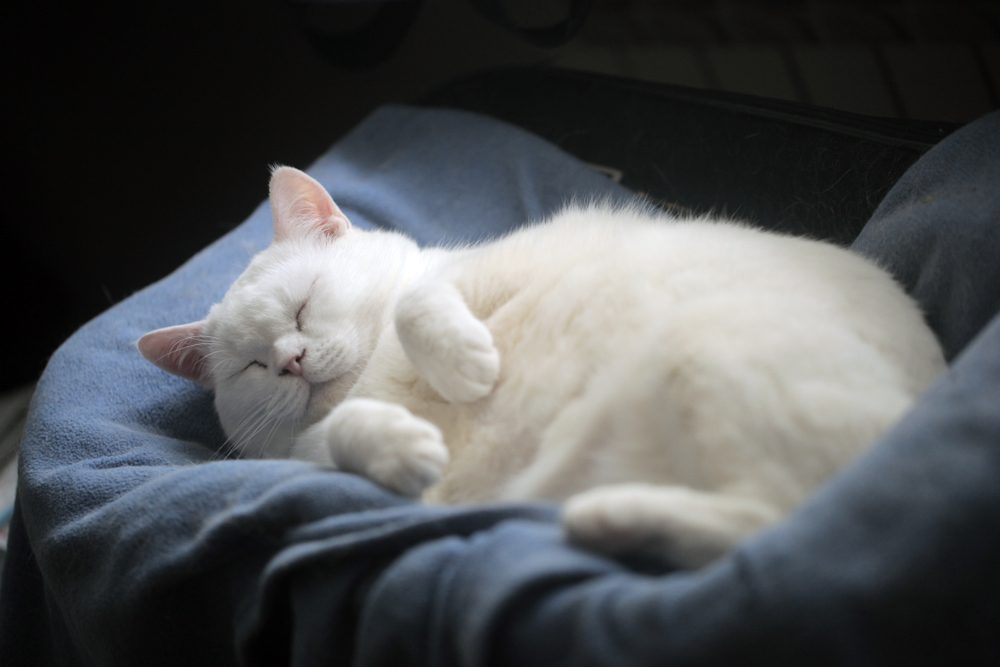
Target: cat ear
300, 205
180, 350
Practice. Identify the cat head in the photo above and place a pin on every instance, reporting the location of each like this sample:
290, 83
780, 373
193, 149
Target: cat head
294, 331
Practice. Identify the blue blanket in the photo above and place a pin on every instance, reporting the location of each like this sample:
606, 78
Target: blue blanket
134, 543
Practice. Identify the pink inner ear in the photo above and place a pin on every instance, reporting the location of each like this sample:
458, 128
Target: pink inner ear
300, 205
336, 223
180, 350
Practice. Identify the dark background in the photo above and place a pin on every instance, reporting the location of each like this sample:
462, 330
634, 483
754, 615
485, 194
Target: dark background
136, 133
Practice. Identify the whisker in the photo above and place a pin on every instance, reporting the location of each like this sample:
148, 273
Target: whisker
235, 439
275, 417
270, 434
264, 419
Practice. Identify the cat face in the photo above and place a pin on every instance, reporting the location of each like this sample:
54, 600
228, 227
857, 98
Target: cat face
292, 334
289, 338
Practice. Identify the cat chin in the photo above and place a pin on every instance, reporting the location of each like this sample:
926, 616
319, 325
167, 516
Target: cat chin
324, 396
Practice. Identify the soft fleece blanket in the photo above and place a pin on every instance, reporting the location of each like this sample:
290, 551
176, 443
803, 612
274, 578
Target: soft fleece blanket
133, 543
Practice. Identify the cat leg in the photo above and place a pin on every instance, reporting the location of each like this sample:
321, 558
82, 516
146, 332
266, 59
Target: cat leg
675, 524
450, 348
382, 441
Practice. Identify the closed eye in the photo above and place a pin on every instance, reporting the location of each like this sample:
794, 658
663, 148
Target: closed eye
252, 363
298, 316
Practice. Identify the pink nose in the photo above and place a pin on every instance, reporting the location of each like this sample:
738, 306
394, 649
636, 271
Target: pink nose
294, 365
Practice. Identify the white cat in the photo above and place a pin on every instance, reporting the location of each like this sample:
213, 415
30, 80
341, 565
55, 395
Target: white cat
680, 383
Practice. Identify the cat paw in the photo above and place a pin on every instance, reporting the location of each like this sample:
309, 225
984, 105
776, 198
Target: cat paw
388, 444
460, 361
469, 370
413, 458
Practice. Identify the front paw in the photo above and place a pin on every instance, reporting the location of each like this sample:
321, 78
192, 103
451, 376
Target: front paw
452, 351
468, 368
412, 459
387, 444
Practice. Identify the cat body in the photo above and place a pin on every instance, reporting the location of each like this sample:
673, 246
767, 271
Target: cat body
681, 383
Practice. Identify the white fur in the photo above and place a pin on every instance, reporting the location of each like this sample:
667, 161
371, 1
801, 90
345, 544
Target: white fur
683, 382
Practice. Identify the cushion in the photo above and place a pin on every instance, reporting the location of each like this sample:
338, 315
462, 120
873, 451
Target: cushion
134, 542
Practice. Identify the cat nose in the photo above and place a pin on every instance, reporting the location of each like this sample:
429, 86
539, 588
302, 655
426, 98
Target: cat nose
294, 365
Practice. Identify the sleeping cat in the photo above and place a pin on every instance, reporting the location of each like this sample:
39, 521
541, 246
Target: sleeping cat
679, 383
